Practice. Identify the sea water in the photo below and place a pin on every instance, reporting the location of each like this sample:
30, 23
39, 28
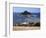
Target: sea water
18, 18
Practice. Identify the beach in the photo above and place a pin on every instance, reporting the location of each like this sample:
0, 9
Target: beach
19, 28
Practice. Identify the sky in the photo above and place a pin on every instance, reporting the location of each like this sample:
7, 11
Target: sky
22, 9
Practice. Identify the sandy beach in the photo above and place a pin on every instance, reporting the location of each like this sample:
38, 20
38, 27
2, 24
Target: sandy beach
18, 28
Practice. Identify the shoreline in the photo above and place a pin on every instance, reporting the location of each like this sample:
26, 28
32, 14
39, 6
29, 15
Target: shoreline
20, 28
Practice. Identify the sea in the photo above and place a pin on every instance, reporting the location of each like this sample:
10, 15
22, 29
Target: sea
19, 18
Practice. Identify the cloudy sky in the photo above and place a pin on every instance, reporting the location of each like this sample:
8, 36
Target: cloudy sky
22, 9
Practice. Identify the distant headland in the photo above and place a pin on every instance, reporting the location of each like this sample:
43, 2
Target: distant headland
26, 13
